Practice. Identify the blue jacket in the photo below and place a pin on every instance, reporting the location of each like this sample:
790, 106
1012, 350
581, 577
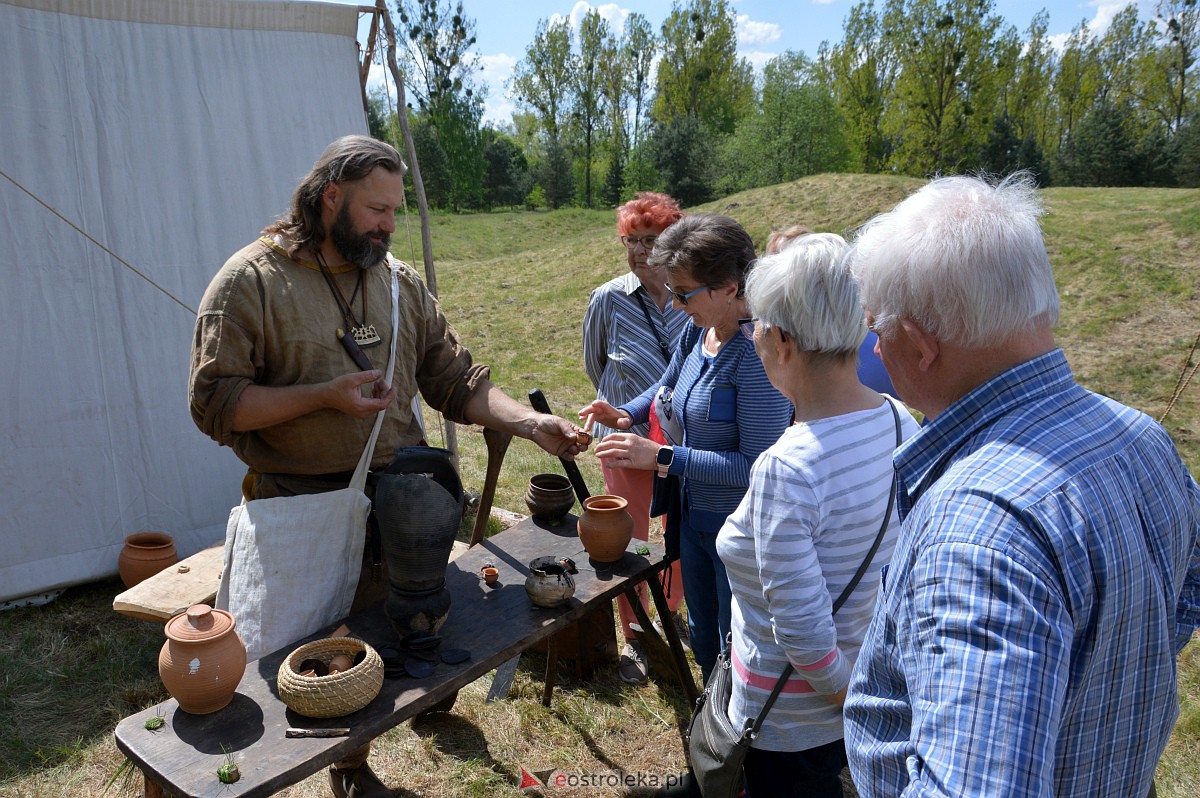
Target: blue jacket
730, 414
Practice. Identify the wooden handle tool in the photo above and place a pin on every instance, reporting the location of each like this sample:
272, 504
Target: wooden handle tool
538, 400
317, 733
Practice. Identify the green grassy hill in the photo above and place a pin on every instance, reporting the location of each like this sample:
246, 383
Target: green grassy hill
515, 285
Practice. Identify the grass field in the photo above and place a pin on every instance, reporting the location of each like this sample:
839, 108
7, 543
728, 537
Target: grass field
515, 285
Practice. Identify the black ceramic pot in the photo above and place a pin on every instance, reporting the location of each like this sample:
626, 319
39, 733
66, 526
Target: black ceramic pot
418, 506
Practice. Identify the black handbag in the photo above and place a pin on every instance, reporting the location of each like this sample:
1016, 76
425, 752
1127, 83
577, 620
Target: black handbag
716, 748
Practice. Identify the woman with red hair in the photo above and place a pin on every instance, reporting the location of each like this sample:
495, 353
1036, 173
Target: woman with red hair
629, 332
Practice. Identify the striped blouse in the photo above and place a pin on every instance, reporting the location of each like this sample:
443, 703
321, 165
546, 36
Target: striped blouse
814, 507
730, 414
621, 353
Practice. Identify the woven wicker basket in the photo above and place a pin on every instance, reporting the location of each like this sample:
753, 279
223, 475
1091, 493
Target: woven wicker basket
330, 696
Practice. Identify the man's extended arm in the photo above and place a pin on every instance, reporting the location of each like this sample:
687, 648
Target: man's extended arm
491, 407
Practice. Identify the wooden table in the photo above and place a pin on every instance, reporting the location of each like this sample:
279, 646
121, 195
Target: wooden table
494, 624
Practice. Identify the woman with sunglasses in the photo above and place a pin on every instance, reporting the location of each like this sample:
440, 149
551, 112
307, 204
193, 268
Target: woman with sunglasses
722, 399
629, 332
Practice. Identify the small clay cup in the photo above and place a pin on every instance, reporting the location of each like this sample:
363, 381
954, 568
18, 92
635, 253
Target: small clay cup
491, 574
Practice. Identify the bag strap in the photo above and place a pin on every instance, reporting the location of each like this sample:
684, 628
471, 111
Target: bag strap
662, 344
359, 480
845, 594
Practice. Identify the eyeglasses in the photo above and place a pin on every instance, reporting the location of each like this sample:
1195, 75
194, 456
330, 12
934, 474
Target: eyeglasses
631, 242
683, 298
748, 326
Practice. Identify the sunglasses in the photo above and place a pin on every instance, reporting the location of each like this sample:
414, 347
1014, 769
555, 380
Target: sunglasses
683, 298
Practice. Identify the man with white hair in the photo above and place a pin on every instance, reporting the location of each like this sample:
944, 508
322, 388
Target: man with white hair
1048, 568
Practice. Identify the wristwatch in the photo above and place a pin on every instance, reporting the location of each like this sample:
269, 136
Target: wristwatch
662, 460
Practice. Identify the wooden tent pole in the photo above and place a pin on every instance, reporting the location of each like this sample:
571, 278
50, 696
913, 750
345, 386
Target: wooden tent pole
413, 166
418, 185
364, 69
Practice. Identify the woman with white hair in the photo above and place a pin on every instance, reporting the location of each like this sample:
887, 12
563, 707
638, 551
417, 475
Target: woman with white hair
813, 515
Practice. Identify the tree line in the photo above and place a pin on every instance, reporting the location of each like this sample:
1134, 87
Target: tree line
914, 87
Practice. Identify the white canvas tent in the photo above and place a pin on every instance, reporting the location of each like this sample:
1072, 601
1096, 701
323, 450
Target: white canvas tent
171, 133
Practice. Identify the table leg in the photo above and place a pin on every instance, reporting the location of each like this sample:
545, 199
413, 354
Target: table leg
653, 646
497, 444
150, 787
551, 668
660, 605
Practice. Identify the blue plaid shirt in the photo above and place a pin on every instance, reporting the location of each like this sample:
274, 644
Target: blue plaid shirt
1047, 574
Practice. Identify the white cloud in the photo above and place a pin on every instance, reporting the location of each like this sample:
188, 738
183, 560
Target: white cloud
1058, 41
824, 2
1098, 24
757, 58
498, 110
751, 32
497, 69
1105, 11
612, 13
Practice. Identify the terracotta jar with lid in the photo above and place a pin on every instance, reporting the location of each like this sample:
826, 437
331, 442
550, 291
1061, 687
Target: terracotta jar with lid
203, 660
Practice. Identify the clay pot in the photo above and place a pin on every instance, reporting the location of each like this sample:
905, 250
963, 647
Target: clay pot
144, 555
418, 503
549, 584
605, 528
203, 660
491, 574
549, 497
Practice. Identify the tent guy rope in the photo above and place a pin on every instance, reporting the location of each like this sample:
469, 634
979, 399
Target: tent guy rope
1185, 378
84, 233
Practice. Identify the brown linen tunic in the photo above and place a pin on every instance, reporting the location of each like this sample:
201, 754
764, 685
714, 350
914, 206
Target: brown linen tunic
270, 320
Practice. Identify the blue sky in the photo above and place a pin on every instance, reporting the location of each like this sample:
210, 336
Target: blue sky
766, 28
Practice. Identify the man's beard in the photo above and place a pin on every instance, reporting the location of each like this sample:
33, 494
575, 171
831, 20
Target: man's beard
357, 249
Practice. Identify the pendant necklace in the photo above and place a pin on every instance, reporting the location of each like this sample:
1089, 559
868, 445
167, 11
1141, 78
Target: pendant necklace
364, 335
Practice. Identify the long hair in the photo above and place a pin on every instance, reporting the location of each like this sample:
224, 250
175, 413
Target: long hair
346, 160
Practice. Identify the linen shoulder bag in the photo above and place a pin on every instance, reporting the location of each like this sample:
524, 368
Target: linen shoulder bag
718, 750
292, 562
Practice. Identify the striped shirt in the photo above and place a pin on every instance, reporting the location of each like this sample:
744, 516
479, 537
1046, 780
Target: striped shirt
621, 353
730, 414
1046, 574
813, 511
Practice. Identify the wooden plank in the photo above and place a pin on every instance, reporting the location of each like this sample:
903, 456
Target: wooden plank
169, 592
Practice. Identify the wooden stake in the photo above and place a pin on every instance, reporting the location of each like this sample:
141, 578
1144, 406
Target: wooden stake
418, 185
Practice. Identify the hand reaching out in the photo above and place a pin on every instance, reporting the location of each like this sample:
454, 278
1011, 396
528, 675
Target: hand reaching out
607, 415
